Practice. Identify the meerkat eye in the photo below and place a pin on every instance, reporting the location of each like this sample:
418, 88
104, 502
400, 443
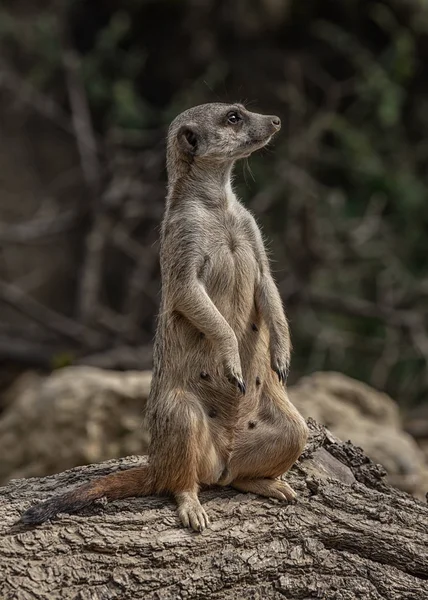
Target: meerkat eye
233, 118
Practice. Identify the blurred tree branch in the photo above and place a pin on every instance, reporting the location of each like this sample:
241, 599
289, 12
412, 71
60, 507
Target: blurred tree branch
342, 197
39, 229
48, 318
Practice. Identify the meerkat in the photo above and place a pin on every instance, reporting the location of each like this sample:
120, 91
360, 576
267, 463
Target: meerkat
218, 410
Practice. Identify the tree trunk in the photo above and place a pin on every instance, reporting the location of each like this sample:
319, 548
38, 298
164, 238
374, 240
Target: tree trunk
349, 536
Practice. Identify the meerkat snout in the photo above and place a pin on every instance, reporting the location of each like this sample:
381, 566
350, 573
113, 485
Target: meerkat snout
276, 122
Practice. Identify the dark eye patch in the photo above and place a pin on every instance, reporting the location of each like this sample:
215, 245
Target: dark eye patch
234, 117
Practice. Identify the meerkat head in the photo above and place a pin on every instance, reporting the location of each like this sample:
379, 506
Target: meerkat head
219, 133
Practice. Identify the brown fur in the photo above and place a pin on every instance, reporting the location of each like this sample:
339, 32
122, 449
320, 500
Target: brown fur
218, 408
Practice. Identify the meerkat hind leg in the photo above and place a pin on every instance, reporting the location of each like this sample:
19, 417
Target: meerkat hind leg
271, 488
267, 450
190, 511
182, 431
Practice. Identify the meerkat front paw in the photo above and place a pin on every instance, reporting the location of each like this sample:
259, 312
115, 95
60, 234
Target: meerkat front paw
235, 377
281, 366
229, 351
280, 356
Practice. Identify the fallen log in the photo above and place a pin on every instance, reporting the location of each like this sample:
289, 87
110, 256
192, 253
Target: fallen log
349, 536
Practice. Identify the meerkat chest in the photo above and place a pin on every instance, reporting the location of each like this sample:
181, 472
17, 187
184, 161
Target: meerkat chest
230, 262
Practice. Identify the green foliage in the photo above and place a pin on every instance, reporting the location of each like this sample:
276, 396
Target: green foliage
65, 359
109, 73
35, 42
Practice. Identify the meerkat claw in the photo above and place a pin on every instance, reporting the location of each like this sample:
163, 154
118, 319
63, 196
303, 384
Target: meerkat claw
241, 386
282, 373
278, 371
238, 382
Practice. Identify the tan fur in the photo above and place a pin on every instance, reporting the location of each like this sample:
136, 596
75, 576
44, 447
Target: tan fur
221, 318
221, 331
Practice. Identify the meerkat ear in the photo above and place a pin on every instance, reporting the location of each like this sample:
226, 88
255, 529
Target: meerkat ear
189, 139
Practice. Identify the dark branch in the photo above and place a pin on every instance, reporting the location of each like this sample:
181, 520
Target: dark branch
48, 318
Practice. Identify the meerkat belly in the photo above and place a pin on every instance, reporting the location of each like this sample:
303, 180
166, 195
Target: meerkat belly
229, 274
230, 281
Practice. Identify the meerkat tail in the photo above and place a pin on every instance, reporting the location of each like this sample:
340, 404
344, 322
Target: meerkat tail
123, 484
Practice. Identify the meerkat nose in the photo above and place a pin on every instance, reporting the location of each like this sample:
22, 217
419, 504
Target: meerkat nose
276, 122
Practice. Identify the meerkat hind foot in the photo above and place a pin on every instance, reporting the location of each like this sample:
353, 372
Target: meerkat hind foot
271, 488
191, 512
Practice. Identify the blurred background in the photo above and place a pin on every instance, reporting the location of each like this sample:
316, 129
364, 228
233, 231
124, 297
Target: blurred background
87, 90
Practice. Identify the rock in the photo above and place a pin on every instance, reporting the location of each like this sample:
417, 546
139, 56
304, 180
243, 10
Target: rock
370, 419
75, 416
335, 399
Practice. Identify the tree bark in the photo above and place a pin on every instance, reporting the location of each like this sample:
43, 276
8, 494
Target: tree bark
349, 536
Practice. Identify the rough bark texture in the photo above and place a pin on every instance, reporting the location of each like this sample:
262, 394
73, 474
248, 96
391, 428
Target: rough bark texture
349, 536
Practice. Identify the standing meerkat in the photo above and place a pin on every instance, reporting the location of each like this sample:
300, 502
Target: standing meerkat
218, 410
